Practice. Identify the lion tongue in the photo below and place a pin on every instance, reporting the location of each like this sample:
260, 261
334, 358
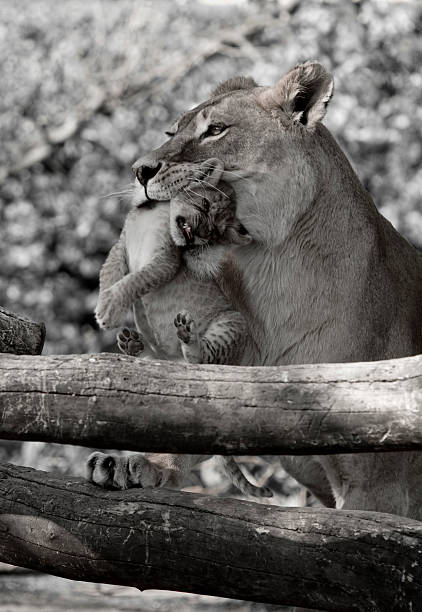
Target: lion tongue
187, 231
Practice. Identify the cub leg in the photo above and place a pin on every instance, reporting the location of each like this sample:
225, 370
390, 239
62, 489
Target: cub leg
189, 340
118, 298
222, 343
130, 342
115, 266
112, 271
136, 470
144, 328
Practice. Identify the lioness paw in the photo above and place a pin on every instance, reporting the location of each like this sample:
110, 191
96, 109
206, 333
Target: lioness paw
130, 342
115, 472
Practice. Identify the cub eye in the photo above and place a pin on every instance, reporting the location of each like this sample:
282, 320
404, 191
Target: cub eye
214, 130
170, 134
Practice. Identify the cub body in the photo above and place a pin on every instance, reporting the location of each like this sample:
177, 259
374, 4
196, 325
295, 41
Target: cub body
157, 274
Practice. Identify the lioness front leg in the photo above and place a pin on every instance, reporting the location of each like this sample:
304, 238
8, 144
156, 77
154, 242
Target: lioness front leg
137, 470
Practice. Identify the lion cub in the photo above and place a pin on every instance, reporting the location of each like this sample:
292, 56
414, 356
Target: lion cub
148, 270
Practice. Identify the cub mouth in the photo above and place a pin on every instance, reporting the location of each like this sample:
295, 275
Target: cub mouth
186, 230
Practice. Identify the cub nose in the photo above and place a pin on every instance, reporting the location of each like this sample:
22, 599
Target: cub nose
145, 173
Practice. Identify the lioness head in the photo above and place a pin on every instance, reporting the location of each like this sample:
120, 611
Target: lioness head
266, 137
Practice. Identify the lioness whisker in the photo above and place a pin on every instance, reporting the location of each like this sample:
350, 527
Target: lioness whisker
116, 193
225, 171
191, 200
202, 181
193, 192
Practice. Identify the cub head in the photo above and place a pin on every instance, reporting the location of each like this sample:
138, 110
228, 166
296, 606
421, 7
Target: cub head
267, 138
203, 213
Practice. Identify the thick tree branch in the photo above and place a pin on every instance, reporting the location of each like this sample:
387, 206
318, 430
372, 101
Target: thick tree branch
328, 559
115, 401
19, 335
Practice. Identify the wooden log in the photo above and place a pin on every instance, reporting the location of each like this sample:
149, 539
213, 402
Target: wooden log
319, 558
115, 401
20, 336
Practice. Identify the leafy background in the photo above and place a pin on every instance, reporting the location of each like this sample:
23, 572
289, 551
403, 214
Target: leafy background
88, 86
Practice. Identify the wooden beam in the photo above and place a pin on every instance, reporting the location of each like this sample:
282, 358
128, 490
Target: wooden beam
319, 558
115, 401
19, 335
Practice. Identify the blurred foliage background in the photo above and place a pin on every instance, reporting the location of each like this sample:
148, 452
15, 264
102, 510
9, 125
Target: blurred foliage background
88, 86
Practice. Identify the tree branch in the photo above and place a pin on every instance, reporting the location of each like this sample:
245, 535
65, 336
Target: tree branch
328, 559
115, 401
19, 335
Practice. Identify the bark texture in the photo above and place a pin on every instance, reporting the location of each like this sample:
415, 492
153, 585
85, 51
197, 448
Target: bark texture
113, 401
20, 336
320, 558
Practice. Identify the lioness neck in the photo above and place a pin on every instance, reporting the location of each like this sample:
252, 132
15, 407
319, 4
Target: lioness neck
339, 278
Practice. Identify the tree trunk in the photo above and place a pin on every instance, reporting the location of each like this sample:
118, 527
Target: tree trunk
19, 335
320, 558
113, 401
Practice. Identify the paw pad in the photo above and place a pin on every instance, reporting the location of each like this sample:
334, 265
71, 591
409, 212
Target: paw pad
185, 326
130, 342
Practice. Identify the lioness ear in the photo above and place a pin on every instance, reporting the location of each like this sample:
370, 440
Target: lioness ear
234, 84
304, 93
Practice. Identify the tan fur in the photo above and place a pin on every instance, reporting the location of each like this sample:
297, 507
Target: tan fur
327, 278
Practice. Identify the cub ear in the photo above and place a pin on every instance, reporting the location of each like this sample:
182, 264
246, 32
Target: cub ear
233, 84
211, 170
303, 93
237, 234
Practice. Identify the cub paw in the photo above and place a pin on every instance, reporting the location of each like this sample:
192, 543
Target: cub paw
109, 309
115, 472
130, 342
185, 326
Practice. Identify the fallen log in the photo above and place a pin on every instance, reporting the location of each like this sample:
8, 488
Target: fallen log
320, 558
19, 335
115, 401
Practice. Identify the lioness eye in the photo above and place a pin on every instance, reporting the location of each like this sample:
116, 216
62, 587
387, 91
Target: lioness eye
205, 204
169, 134
214, 130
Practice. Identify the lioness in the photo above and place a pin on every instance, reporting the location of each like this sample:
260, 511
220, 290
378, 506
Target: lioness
326, 278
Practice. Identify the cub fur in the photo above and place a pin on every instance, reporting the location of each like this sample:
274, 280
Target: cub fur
155, 273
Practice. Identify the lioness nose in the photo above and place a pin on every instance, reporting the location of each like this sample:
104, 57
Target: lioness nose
145, 173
